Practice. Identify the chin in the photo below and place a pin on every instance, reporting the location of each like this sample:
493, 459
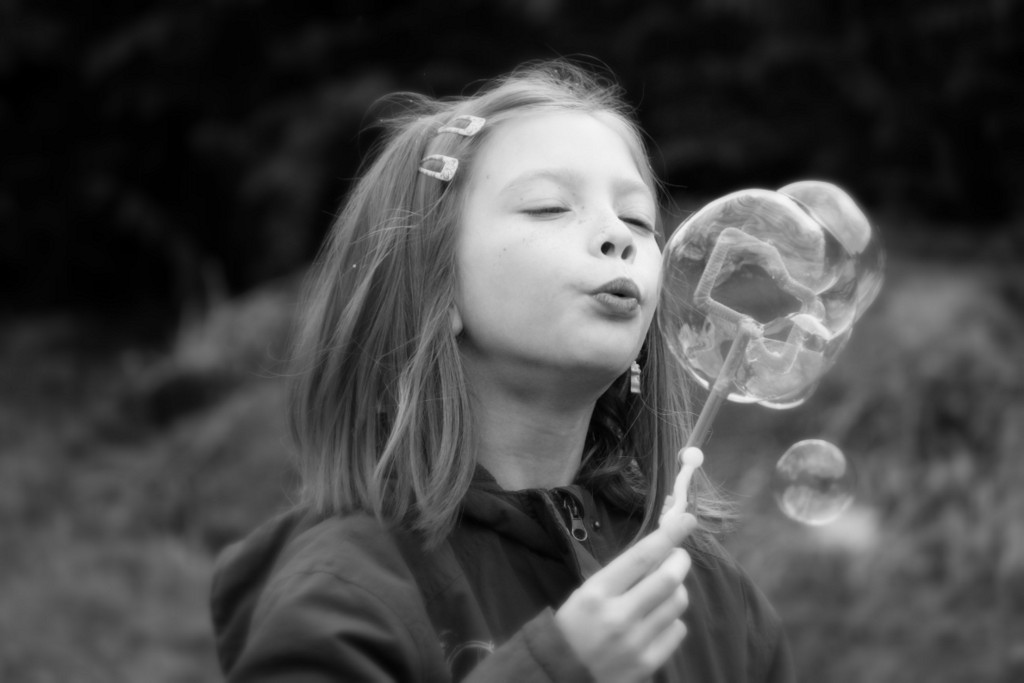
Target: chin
611, 361
600, 375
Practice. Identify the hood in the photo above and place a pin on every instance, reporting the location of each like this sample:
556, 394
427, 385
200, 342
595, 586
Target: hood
243, 568
241, 571
538, 519
529, 517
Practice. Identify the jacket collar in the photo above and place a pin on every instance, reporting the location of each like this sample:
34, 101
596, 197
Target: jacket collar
531, 517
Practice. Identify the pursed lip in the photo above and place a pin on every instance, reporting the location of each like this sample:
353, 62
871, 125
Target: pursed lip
619, 298
621, 287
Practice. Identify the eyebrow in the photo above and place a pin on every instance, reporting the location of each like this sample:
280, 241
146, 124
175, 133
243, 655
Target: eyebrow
568, 176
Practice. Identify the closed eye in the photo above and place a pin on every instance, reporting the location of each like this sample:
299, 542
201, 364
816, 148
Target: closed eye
641, 223
546, 211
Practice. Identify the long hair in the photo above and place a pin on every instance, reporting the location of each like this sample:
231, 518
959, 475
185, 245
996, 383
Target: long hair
380, 413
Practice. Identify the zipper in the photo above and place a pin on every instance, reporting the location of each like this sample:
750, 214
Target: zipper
576, 526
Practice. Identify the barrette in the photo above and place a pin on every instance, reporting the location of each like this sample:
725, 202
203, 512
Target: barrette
464, 124
447, 170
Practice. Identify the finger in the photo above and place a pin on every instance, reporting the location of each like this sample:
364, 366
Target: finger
677, 524
632, 565
664, 644
657, 588
660, 618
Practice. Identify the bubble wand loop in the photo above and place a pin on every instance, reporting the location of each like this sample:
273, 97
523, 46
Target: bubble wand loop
776, 277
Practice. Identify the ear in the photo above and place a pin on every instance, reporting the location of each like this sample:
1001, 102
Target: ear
456, 320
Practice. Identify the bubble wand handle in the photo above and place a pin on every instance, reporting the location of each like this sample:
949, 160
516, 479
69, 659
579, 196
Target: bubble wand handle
690, 456
719, 390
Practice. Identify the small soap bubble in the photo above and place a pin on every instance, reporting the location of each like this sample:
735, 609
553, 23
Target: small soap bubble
813, 483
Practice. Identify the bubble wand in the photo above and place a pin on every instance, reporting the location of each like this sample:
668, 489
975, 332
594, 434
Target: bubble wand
761, 292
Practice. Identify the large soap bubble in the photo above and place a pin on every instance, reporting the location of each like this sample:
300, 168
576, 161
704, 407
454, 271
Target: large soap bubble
765, 286
761, 292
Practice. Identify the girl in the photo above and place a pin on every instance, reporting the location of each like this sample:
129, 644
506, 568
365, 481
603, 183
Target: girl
487, 423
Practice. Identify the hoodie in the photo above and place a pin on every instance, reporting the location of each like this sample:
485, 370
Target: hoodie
349, 599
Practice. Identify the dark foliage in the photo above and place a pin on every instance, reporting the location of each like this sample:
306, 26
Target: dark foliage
158, 154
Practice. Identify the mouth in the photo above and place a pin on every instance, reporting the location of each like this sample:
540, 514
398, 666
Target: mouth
619, 298
622, 288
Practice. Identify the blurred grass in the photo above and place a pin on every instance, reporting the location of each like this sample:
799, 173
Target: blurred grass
923, 579
125, 466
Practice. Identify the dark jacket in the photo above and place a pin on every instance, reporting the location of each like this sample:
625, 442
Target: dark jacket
346, 599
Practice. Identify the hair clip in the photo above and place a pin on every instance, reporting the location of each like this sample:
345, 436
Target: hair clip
448, 167
464, 125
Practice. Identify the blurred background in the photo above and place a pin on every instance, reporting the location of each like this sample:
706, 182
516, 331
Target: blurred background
168, 170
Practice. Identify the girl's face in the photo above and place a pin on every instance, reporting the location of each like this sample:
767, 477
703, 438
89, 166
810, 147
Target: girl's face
558, 266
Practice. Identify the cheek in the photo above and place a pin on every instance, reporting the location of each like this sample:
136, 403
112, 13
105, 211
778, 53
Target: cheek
517, 266
650, 262
491, 276
651, 267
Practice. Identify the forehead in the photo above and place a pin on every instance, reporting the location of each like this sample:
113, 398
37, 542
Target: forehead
578, 141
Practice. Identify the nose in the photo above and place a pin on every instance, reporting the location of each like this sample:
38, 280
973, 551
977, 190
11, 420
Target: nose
616, 240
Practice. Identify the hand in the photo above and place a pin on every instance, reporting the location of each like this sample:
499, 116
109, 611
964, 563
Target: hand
623, 623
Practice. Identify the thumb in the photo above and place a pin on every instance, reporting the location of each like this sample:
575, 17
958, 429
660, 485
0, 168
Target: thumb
677, 524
